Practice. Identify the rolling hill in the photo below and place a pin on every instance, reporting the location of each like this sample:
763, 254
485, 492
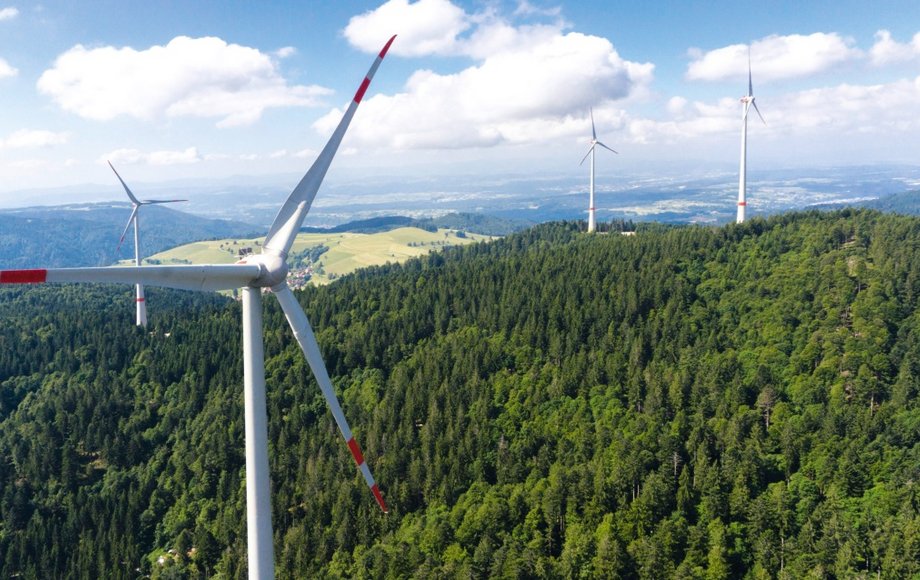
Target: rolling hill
87, 234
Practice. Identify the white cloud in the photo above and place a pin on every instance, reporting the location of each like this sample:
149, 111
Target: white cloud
285, 52
425, 27
33, 139
27, 164
525, 8
774, 57
528, 83
305, 154
833, 113
438, 27
6, 70
851, 109
676, 105
8, 13
199, 77
689, 121
137, 157
216, 156
887, 50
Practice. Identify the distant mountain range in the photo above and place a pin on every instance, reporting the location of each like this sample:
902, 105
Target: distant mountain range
87, 234
673, 194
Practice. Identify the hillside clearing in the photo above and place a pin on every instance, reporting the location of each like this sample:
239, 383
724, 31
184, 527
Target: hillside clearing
346, 252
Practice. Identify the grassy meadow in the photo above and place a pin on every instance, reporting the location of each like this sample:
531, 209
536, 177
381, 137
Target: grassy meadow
346, 253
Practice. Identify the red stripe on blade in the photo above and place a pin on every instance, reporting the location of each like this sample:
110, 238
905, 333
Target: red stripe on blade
360, 94
742, 203
379, 498
23, 276
138, 299
383, 52
355, 451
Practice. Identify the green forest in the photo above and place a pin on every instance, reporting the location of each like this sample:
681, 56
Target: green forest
689, 402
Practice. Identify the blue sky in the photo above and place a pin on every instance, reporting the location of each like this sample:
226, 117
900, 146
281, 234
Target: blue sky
175, 90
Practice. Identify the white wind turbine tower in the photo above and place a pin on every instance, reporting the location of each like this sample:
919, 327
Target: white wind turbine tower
139, 299
594, 143
746, 102
253, 273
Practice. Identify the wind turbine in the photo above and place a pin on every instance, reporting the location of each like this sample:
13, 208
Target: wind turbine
136, 203
746, 102
252, 273
594, 144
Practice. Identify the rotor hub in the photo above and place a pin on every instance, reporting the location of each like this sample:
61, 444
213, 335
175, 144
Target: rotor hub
273, 269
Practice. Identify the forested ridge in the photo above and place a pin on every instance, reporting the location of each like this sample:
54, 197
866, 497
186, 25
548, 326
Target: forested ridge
689, 402
87, 234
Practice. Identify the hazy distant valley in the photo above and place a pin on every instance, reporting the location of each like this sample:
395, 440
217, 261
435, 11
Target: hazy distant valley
82, 233
694, 196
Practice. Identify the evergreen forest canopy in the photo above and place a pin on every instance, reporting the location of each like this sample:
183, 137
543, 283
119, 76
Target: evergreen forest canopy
689, 402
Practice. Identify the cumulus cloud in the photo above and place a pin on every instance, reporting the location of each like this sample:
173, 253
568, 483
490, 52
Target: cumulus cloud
886, 50
33, 139
137, 157
8, 13
774, 57
6, 70
851, 109
527, 83
425, 27
440, 28
199, 77
832, 112
676, 105
688, 121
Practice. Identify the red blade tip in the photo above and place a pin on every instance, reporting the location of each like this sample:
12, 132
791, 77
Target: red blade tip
379, 499
383, 52
23, 276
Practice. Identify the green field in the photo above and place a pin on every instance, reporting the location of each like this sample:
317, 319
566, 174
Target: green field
347, 251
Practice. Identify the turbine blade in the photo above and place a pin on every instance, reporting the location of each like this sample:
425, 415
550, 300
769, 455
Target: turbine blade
750, 81
758, 112
125, 185
284, 229
128, 225
593, 132
307, 341
200, 277
607, 148
590, 149
154, 201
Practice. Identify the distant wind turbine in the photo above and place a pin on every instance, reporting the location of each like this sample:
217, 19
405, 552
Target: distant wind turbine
594, 143
253, 273
746, 101
139, 299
